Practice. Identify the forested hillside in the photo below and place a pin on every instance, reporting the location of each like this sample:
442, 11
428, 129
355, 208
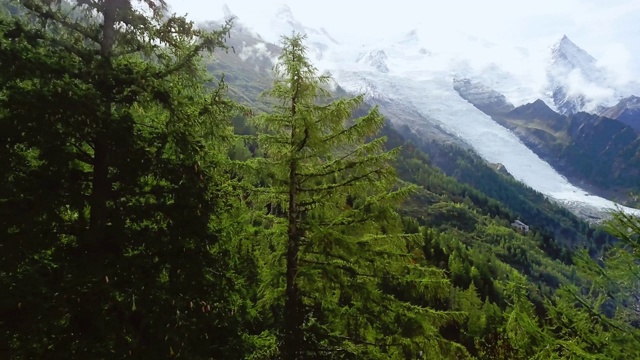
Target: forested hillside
151, 210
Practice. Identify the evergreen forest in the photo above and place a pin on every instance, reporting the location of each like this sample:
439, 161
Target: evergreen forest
147, 211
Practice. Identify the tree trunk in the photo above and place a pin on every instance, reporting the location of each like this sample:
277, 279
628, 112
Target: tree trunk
101, 187
293, 316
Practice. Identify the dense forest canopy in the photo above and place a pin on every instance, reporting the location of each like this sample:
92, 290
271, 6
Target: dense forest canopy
145, 213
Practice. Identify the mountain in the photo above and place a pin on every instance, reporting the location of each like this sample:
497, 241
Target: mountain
247, 64
419, 85
577, 81
484, 98
377, 59
247, 71
626, 111
444, 100
318, 40
453, 171
599, 153
436, 100
538, 109
411, 38
570, 66
569, 56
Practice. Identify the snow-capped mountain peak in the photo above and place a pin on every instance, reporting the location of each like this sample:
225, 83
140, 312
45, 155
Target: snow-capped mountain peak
227, 13
566, 53
285, 14
376, 59
411, 38
285, 20
576, 83
285, 23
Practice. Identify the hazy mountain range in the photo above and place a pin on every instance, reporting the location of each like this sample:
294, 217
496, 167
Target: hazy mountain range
580, 123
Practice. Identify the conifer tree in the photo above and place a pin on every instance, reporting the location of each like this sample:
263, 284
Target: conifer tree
598, 318
338, 258
616, 284
114, 202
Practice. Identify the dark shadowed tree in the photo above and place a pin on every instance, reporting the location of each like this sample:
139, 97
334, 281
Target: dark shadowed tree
114, 200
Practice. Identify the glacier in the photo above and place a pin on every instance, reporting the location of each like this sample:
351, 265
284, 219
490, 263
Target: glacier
438, 101
425, 83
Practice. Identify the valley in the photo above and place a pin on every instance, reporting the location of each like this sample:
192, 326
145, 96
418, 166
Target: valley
416, 87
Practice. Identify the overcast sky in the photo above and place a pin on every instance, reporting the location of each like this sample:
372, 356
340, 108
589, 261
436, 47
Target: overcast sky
608, 29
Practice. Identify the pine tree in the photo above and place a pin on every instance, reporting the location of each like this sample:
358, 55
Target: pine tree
115, 205
337, 254
525, 337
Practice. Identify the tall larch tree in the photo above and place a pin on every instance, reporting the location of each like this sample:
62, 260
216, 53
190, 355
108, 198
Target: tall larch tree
340, 274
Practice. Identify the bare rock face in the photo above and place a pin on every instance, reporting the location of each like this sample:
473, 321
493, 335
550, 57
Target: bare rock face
377, 59
501, 169
626, 111
484, 98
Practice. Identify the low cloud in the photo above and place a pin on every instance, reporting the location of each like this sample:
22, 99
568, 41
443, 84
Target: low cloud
508, 47
616, 61
332, 85
257, 51
594, 94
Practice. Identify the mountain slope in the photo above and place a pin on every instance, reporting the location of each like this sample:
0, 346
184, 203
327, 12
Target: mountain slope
457, 174
597, 152
407, 118
570, 64
627, 111
484, 98
417, 91
437, 100
377, 59
246, 66
577, 82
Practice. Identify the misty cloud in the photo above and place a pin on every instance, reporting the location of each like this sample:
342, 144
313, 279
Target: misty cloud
616, 60
531, 26
257, 51
594, 94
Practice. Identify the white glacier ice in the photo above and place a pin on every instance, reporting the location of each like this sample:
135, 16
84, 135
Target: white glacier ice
436, 98
432, 94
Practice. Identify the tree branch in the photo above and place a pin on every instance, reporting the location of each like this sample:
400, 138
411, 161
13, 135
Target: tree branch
44, 12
